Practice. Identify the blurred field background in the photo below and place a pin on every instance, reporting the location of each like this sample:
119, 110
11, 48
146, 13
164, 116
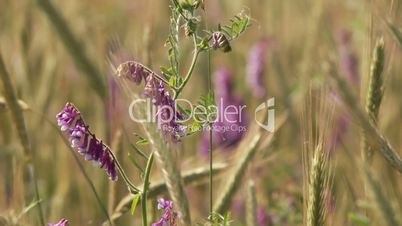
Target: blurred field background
303, 36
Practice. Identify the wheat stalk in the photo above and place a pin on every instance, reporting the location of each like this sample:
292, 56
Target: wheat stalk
116, 146
233, 181
374, 135
74, 47
17, 114
382, 204
174, 182
159, 187
251, 211
248, 148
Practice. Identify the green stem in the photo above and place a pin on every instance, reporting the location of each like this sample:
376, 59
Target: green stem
131, 187
145, 190
191, 69
154, 74
210, 171
210, 141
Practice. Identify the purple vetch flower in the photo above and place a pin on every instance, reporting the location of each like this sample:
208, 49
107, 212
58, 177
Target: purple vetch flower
165, 204
341, 126
133, 71
155, 90
62, 222
255, 68
220, 41
348, 60
342, 123
169, 217
262, 217
223, 83
167, 115
238, 207
232, 121
84, 141
66, 117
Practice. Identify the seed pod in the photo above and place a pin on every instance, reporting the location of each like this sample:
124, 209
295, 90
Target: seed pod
219, 41
190, 27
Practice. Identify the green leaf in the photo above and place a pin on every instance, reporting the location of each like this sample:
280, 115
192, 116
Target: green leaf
238, 24
142, 142
186, 112
167, 71
358, 219
173, 39
134, 203
139, 151
172, 82
28, 208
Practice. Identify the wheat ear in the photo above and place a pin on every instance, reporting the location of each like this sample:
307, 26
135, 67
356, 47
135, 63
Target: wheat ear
374, 95
318, 181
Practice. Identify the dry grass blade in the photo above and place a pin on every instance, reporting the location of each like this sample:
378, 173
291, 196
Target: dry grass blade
383, 205
233, 181
251, 211
374, 95
3, 105
159, 187
17, 114
247, 150
396, 33
74, 47
112, 193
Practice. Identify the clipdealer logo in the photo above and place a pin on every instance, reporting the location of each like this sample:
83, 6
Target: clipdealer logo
223, 112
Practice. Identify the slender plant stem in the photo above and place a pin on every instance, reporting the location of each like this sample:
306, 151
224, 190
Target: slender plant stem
210, 141
161, 78
131, 187
88, 179
152, 73
145, 189
34, 179
12, 101
191, 69
210, 90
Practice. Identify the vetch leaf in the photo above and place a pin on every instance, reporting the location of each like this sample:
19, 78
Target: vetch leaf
134, 203
139, 151
142, 142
